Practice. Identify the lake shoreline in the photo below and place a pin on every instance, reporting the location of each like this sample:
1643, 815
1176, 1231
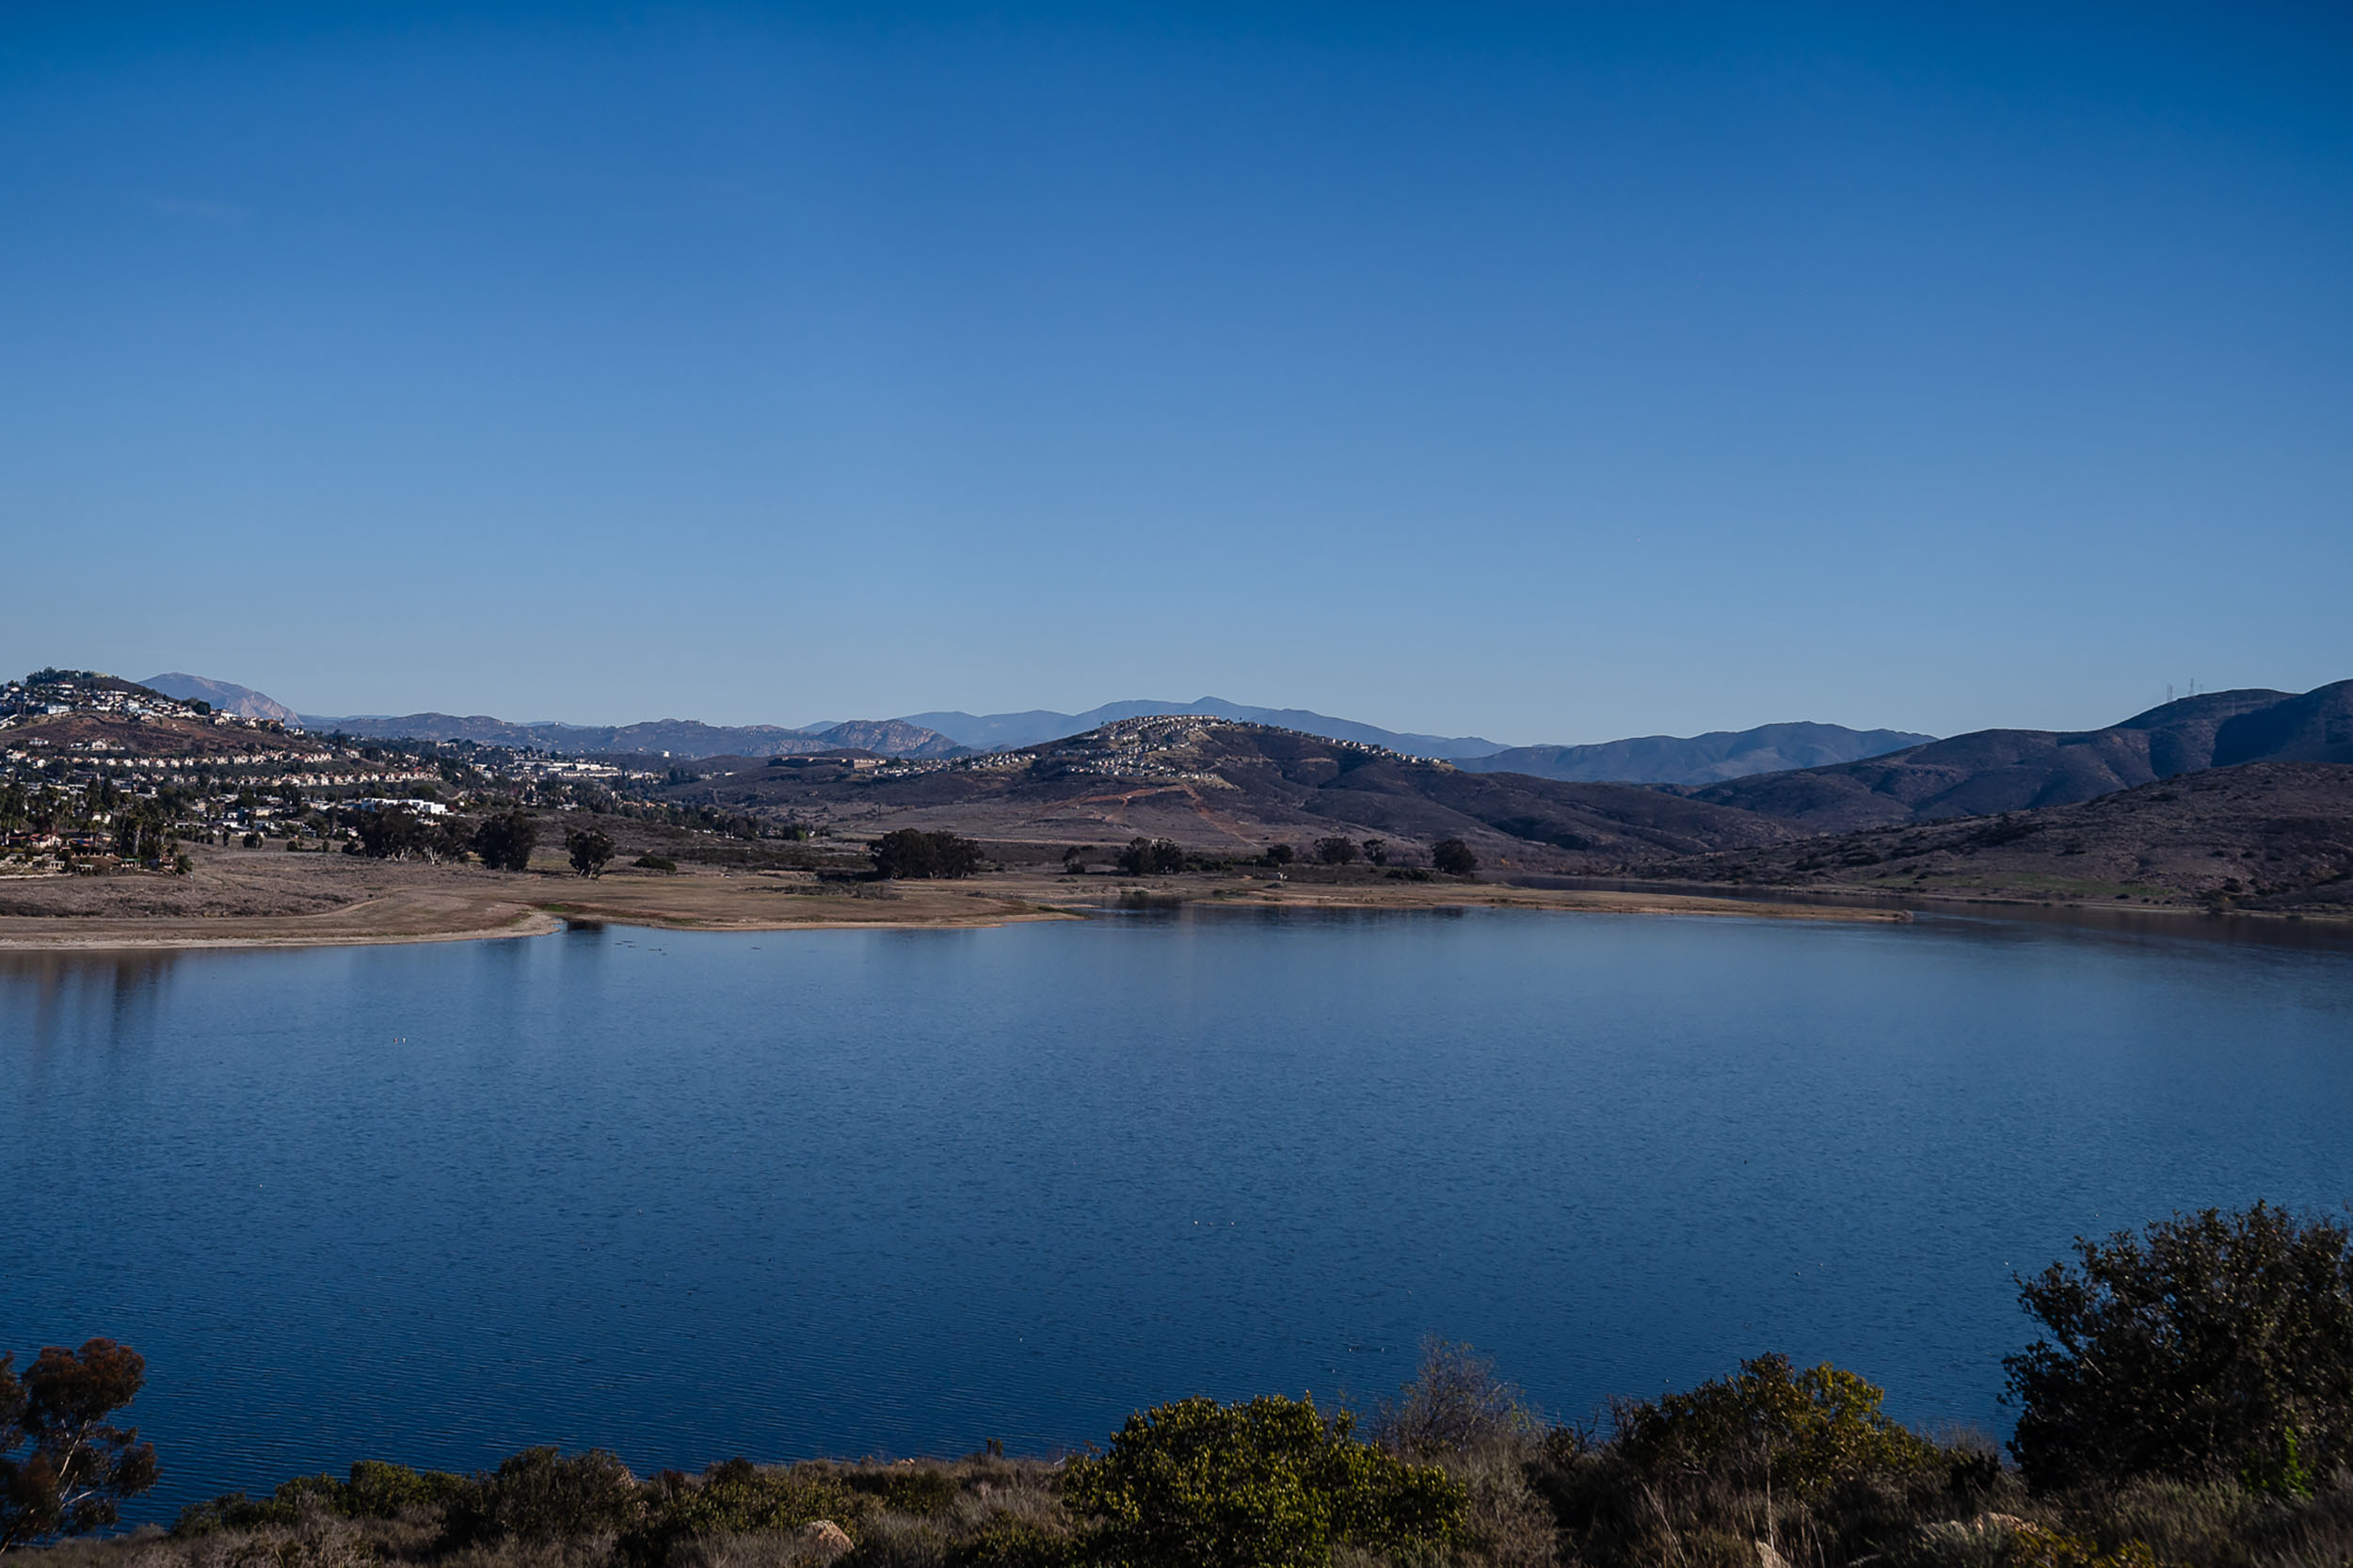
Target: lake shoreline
2183, 919
1023, 1181
402, 904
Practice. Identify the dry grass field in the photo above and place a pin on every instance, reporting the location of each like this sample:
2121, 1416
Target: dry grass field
268, 897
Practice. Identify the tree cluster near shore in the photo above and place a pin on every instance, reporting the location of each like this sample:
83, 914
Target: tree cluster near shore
1453, 857
2191, 1404
504, 842
589, 850
1150, 857
910, 853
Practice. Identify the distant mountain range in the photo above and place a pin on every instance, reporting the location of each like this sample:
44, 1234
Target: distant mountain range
682, 738
2012, 770
1010, 731
1708, 758
678, 737
1818, 778
1238, 786
1650, 760
2235, 798
1700, 760
244, 701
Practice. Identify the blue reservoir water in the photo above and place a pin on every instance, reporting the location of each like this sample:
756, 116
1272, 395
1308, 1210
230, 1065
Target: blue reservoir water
691, 1195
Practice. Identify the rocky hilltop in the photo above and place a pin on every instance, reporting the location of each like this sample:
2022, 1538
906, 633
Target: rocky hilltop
225, 696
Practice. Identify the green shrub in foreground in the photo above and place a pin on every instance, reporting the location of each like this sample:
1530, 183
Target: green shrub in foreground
737, 1497
2209, 1347
1268, 1484
541, 1494
1806, 1431
381, 1491
1802, 1461
376, 1491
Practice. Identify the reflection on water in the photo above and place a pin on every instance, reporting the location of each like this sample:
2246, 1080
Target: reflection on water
2331, 933
116, 969
690, 1194
50, 991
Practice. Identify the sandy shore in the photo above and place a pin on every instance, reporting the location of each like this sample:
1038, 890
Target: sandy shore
395, 917
253, 900
1226, 892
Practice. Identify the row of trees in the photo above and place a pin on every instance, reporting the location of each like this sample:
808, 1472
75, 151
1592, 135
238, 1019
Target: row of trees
503, 842
142, 830
391, 834
1150, 857
1163, 857
912, 853
600, 801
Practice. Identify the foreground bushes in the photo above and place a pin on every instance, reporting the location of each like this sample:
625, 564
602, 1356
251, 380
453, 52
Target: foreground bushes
1812, 1431
1267, 1484
1771, 1466
2191, 1407
540, 1508
1773, 1463
2210, 1347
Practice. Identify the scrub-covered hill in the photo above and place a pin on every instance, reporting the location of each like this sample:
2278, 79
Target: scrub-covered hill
1991, 770
1228, 786
1701, 760
2260, 835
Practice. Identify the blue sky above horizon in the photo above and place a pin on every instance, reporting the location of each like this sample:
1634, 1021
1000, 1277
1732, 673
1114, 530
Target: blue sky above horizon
1551, 374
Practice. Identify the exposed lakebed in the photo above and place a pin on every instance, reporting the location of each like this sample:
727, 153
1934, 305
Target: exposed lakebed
686, 1196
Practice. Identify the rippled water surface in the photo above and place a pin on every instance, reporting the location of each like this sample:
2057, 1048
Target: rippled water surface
690, 1196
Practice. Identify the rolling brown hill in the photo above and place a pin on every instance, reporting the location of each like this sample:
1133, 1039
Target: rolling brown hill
80, 737
2255, 835
2011, 770
1233, 787
1700, 760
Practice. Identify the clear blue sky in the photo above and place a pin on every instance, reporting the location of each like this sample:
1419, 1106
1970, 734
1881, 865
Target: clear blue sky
1552, 373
